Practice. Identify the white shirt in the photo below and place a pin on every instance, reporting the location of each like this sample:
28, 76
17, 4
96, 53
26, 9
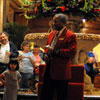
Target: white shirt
3, 57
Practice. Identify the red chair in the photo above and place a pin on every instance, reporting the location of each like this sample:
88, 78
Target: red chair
75, 87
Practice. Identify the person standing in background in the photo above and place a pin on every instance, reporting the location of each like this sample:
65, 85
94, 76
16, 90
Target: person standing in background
7, 51
28, 62
38, 61
61, 46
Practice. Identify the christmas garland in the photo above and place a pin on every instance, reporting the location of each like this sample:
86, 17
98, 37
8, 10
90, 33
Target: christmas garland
89, 9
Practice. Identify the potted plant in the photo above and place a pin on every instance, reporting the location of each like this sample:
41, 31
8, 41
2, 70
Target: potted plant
16, 32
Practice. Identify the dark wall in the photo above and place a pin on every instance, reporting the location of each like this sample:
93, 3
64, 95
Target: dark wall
91, 27
40, 25
37, 25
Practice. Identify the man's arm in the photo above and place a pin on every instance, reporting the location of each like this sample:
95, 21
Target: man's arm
13, 50
69, 50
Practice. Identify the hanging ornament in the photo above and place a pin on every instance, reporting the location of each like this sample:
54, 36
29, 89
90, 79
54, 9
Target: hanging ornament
63, 8
49, 0
35, 10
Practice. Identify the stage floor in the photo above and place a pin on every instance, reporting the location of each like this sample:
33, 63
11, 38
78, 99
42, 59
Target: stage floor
92, 95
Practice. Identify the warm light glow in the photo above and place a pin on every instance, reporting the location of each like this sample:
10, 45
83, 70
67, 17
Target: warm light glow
97, 50
1, 15
32, 45
83, 20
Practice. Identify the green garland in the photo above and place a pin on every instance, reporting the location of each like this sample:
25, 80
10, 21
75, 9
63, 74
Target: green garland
29, 17
38, 8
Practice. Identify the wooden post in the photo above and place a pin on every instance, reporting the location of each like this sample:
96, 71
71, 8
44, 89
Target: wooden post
1, 15
4, 7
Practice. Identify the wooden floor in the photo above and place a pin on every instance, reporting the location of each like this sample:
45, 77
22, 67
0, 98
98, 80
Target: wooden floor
94, 95
91, 97
22, 96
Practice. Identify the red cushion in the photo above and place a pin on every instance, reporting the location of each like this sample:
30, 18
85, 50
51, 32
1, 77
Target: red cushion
77, 74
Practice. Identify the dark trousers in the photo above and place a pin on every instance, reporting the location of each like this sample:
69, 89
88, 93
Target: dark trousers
25, 79
93, 73
3, 67
54, 87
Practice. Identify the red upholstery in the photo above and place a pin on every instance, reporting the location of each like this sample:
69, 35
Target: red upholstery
75, 91
77, 74
75, 88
